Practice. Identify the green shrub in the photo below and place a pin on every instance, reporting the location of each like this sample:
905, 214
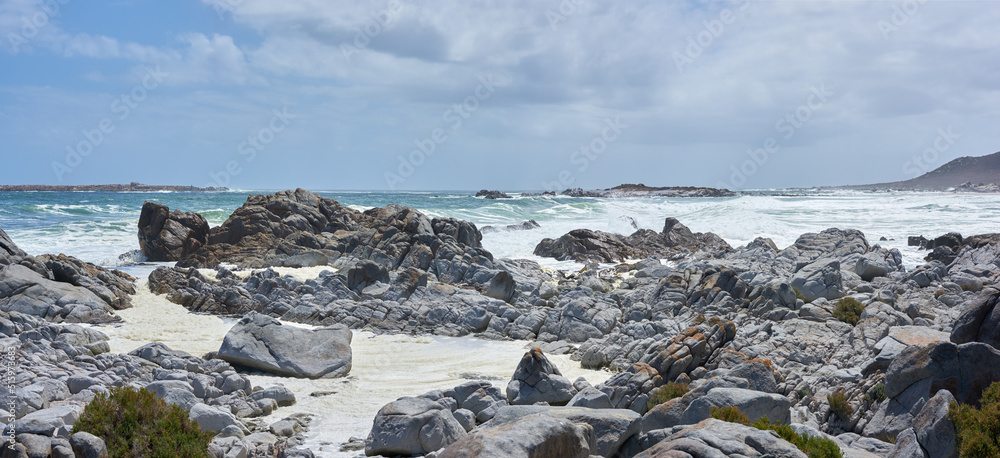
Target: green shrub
798, 295
978, 429
812, 446
731, 414
848, 310
665, 393
878, 393
135, 423
839, 405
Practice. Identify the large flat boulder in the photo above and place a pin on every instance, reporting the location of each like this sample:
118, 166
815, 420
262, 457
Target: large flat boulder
716, 438
26, 291
612, 427
264, 343
534, 436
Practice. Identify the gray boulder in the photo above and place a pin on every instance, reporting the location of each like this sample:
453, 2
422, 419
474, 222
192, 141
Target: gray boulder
534, 436
718, 439
592, 398
44, 422
536, 379
612, 427
907, 446
86, 445
979, 320
935, 432
754, 404
412, 426
821, 278
214, 419
262, 342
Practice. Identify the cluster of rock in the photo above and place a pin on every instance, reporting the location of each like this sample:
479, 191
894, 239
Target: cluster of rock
751, 327
968, 186
60, 288
675, 241
947, 247
492, 195
59, 367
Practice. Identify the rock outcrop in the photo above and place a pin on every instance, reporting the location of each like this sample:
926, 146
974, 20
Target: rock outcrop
413, 426
492, 195
584, 245
527, 437
536, 380
166, 236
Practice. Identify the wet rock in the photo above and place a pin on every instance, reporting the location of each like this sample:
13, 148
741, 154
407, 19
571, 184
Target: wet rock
492, 194
262, 342
166, 236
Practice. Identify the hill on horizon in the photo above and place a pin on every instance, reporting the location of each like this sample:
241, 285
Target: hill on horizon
976, 170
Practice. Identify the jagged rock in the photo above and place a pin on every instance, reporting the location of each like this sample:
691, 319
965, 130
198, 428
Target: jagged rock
935, 432
536, 379
844, 246
492, 194
979, 320
821, 278
166, 236
114, 287
533, 436
263, 343
24, 290
583, 245
754, 404
412, 426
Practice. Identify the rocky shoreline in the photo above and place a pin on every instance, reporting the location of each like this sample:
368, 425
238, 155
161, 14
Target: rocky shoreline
131, 187
754, 327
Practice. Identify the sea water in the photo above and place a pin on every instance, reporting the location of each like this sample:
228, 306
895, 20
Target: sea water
99, 227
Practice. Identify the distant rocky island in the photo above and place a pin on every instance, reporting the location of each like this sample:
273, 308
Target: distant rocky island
965, 174
630, 190
131, 187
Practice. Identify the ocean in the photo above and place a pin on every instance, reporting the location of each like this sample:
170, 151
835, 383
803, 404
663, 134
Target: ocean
99, 227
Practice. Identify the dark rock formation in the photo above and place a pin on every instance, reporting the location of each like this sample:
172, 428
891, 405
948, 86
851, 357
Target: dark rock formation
584, 245
979, 320
166, 236
298, 228
641, 190
492, 194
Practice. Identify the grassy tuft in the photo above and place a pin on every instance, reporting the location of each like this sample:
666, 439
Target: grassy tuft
731, 414
135, 423
812, 446
848, 310
839, 405
665, 393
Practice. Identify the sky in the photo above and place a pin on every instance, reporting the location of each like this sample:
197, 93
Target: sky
512, 95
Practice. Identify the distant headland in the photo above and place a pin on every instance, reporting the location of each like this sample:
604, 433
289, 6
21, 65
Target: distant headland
131, 187
965, 174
